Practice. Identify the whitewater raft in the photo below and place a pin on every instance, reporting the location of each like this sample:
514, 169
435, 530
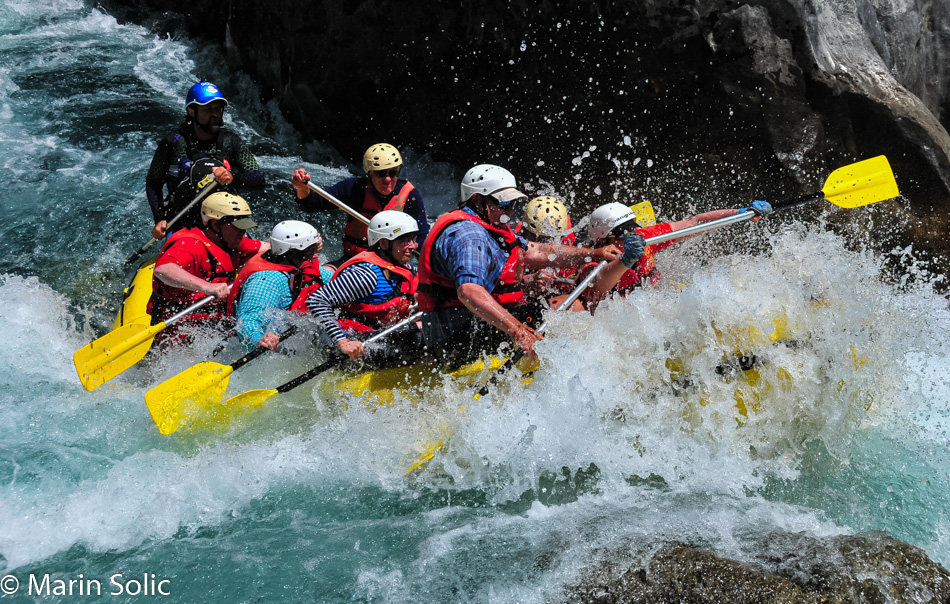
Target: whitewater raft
750, 379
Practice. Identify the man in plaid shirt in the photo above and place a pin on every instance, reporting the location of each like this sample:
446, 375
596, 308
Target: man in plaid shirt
471, 267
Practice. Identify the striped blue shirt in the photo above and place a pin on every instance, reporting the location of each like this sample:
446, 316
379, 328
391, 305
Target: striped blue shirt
361, 282
355, 282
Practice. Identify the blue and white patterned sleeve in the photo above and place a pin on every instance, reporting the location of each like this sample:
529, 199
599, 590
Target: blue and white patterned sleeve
261, 294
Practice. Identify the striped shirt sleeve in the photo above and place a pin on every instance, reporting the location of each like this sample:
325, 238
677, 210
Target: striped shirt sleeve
357, 281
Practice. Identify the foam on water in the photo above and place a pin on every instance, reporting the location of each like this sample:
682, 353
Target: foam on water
659, 365
638, 390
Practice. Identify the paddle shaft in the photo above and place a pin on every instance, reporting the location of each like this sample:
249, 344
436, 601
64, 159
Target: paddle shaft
200, 303
338, 203
259, 350
149, 332
105, 352
346, 208
693, 230
339, 359
190, 205
742, 216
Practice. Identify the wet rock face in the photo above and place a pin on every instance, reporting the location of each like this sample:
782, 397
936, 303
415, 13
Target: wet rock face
866, 568
675, 99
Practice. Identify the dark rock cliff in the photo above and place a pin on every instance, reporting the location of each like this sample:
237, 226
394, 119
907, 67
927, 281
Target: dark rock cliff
673, 99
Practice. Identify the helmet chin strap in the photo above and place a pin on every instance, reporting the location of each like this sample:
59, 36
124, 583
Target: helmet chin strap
483, 213
385, 254
202, 127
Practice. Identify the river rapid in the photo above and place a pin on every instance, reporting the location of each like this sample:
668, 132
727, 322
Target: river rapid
639, 429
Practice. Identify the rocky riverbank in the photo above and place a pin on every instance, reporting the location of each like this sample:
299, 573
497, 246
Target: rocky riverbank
868, 568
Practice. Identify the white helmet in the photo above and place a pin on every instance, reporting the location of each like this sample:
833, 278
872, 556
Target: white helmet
390, 224
292, 235
486, 179
606, 217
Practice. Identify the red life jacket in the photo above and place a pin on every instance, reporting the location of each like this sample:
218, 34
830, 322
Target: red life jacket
354, 233
310, 281
645, 271
216, 267
642, 272
437, 291
306, 277
565, 273
390, 311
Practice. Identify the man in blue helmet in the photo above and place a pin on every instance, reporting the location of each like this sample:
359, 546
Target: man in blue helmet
201, 147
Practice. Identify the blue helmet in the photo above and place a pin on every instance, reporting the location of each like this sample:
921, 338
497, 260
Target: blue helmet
203, 93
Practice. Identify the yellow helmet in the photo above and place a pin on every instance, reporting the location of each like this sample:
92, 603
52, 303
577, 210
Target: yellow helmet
224, 205
545, 216
381, 156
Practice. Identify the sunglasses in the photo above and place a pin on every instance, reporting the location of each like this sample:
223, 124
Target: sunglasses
392, 173
507, 205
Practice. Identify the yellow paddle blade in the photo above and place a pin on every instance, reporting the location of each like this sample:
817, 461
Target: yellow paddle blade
860, 184
195, 391
426, 456
218, 417
250, 399
644, 212
104, 358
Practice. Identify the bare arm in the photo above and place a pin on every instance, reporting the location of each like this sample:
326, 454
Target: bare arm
702, 219
175, 276
477, 299
543, 255
605, 281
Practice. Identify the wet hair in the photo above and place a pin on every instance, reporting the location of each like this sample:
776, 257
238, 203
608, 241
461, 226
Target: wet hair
298, 257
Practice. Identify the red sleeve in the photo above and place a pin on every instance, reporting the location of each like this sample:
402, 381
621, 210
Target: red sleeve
185, 253
657, 229
247, 250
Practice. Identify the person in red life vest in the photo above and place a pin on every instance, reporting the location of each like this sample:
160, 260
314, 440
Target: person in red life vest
471, 268
381, 189
276, 281
615, 223
202, 261
200, 147
373, 289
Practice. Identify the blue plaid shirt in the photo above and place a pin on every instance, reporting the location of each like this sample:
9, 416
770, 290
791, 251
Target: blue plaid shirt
467, 253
